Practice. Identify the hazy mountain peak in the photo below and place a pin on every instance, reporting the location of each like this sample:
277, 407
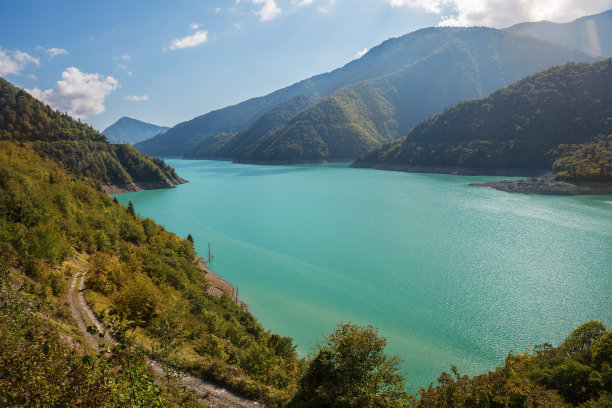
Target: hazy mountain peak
132, 131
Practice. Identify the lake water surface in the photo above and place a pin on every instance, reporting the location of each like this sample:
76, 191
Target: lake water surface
450, 274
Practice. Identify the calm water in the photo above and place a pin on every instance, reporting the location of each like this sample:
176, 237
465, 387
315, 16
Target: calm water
450, 274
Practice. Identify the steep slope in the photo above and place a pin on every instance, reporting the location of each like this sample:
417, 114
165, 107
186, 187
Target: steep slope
131, 131
464, 63
590, 34
536, 123
229, 146
78, 146
55, 225
390, 56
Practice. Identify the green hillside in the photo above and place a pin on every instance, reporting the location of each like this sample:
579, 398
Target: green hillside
131, 131
534, 123
78, 146
230, 146
358, 119
53, 224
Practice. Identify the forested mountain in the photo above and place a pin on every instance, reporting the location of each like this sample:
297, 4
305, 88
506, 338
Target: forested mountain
590, 34
131, 131
386, 58
371, 100
463, 63
558, 118
78, 146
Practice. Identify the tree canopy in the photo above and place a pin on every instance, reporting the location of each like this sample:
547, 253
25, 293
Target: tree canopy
352, 369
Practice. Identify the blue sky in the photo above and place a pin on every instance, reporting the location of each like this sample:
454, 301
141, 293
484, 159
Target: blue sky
168, 61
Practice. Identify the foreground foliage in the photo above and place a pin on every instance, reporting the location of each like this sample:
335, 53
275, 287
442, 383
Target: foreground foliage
38, 367
577, 373
53, 223
351, 369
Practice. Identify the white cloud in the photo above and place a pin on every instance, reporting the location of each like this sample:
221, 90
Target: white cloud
194, 26
361, 53
503, 13
144, 97
13, 62
78, 93
269, 10
197, 38
54, 52
126, 57
301, 3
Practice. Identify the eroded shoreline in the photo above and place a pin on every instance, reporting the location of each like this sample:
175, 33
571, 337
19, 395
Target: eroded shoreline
547, 187
111, 189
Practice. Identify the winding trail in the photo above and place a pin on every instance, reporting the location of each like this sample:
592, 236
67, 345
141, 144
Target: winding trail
209, 394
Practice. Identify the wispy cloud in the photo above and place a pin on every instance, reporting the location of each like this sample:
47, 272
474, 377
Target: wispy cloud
144, 97
13, 62
197, 38
269, 10
123, 68
302, 2
361, 53
503, 13
54, 52
78, 93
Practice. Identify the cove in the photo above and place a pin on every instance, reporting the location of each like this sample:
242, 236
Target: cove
449, 273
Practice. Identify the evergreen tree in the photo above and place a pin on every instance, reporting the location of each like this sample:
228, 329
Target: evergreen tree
130, 209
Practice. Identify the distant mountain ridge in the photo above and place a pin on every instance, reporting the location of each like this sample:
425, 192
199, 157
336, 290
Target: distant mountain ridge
132, 131
558, 119
443, 67
590, 33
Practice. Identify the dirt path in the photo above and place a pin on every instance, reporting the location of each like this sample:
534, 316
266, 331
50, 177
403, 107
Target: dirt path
208, 393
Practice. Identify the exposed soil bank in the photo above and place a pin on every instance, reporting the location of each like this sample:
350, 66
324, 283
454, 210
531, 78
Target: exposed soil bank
142, 185
289, 162
460, 171
218, 285
543, 186
542, 181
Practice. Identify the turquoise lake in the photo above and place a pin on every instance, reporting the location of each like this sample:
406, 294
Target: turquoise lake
449, 273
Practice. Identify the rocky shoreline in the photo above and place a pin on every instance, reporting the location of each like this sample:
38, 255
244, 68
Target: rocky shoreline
218, 285
142, 185
290, 162
458, 171
548, 187
541, 181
